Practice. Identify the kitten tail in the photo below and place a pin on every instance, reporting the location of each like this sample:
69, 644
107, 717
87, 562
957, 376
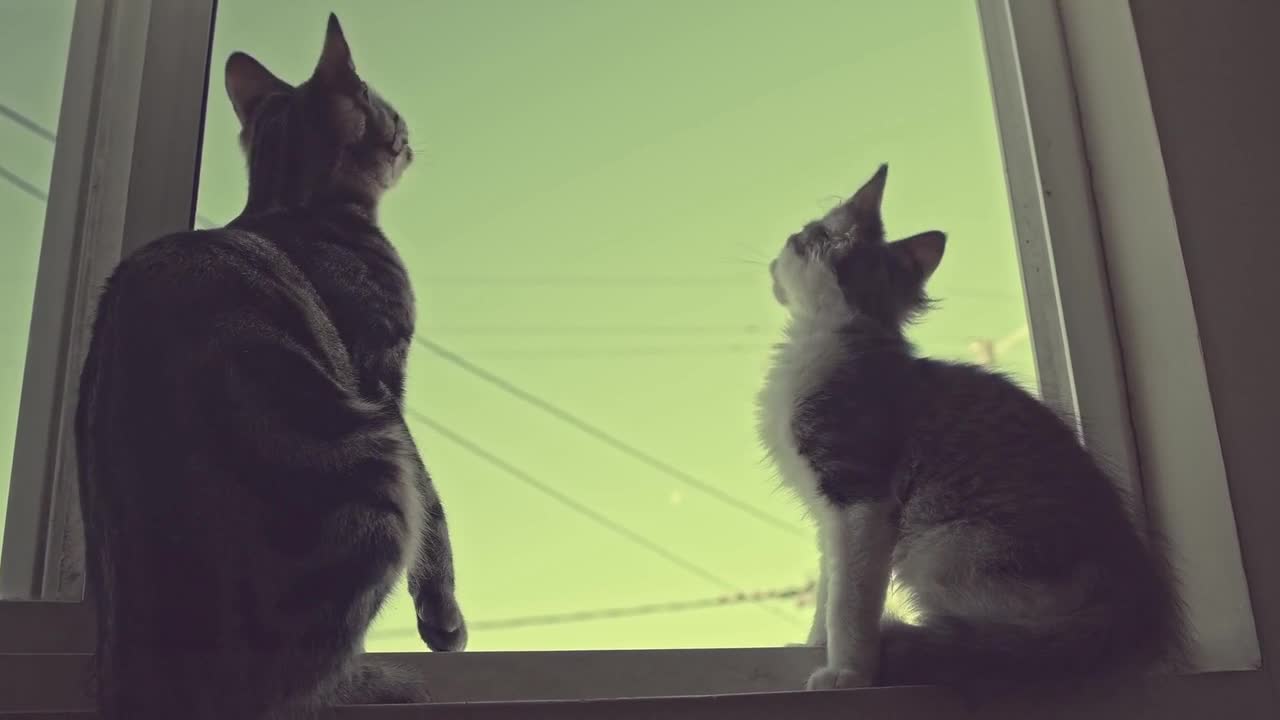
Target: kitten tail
1140, 632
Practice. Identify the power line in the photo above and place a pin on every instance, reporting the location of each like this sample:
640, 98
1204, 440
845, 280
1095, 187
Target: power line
27, 122
795, 592
45, 133
726, 337
602, 280
626, 350
607, 438
23, 185
1012, 339
989, 350
597, 348
607, 280
603, 329
595, 516
574, 505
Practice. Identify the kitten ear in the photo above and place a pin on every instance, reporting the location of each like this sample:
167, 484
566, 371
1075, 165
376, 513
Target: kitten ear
336, 66
248, 82
860, 215
923, 250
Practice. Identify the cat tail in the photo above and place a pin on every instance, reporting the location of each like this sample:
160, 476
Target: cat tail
983, 659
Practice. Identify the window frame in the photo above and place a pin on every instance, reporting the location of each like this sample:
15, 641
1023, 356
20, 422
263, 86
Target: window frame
123, 172
44, 375
1062, 111
1084, 98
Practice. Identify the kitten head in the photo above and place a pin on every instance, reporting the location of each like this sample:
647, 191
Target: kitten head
330, 133
840, 267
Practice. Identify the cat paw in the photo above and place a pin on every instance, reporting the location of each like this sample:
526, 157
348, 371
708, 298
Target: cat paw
838, 678
442, 627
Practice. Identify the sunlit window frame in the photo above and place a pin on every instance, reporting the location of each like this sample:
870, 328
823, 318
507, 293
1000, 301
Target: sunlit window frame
1070, 95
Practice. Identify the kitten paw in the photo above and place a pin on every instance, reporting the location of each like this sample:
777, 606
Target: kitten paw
837, 678
442, 627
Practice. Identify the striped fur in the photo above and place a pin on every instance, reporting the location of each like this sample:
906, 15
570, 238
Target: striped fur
250, 490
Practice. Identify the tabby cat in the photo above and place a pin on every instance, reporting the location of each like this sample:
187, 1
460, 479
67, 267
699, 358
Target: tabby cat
249, 487
1017, 551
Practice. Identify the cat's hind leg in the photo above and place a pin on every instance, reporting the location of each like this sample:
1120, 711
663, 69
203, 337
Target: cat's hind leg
373, 681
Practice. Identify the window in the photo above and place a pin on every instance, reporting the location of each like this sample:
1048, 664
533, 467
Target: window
551, 121
596, 309
124, 94
37, 34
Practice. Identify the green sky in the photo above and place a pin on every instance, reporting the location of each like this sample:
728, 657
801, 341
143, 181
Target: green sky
599, 186
36, 35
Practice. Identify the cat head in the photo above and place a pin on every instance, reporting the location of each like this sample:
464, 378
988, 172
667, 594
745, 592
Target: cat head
331, 133
840, 267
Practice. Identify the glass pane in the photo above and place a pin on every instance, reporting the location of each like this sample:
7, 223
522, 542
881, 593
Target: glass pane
600, 187
35, 35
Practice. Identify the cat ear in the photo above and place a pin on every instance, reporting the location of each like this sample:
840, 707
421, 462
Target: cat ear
923, 250
860, 214
248, 82
336, 67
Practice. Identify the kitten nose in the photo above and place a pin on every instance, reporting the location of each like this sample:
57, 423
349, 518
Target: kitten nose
773, 267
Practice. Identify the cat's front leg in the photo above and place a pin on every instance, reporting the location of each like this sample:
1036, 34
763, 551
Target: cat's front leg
431, 583
857, 548
818, 631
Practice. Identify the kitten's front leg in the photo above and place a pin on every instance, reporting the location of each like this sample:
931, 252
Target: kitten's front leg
818, 631
857, 547
431, 585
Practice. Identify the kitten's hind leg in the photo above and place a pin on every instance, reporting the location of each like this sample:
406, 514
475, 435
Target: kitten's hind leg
431, 585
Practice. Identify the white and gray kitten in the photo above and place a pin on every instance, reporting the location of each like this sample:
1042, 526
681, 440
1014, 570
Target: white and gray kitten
1016, 549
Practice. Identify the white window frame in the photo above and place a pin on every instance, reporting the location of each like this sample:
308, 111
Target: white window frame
1091, 208
127, 147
